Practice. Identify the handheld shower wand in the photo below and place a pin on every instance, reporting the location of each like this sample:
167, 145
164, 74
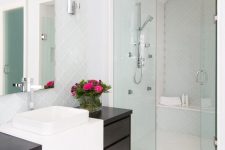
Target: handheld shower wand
137, 80
139, 59
148, 19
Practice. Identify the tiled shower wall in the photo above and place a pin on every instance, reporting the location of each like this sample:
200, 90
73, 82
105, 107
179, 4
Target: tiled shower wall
179, 46
186, 43
81, 52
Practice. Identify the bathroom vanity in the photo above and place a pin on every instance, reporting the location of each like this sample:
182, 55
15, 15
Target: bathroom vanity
116, 123
8, 142
54, 128
117, 128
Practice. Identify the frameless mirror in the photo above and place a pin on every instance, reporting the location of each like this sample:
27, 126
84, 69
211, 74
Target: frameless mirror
11, 47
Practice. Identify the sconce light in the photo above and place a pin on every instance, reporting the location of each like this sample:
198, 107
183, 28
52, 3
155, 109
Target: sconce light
72, 7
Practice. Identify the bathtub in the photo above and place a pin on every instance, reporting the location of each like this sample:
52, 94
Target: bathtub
186, 128
185, 120
178, 128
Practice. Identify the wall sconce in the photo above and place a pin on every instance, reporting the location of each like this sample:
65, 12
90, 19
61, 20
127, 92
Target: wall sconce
72, 7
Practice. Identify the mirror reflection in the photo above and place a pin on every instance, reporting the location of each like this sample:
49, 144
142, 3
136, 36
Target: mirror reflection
19, 61
12, 48
47, 44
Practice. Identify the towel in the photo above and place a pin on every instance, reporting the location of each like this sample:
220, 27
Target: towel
170, 101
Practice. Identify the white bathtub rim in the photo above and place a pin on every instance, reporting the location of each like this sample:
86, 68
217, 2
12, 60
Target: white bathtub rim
188, 108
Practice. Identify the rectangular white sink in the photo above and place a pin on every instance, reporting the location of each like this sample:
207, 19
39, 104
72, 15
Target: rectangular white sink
50, 120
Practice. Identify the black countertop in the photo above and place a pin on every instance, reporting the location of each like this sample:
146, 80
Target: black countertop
111, 114
8, 142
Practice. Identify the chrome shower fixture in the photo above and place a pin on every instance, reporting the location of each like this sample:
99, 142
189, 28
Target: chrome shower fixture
140, 28
148, 19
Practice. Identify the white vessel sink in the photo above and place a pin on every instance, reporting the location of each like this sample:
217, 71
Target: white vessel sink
50, 120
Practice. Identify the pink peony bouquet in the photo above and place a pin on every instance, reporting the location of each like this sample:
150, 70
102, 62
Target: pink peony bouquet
88, 93
89, 88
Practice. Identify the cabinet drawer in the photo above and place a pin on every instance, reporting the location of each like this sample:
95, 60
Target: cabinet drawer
122, 145
116, 131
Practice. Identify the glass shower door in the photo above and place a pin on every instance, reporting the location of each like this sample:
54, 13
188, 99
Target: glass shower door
134, 67
208, 75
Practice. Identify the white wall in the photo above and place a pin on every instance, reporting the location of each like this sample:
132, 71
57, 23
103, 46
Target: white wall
77, 38
160, 69
182, 48
182, 51
221, 75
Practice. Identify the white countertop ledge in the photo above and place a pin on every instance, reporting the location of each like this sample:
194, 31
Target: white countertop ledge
88, 136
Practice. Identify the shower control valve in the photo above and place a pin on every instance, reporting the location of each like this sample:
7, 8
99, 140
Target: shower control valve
136, 44
130, 54
130, 92
150, 56
149, 88
147, 45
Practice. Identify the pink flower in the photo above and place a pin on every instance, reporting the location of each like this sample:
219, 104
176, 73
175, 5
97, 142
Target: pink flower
94, 82
74, 90
88, 86
98, 89
74, 93
50, 84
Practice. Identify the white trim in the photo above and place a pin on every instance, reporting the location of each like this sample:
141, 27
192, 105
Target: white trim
221, 75
110, 49
13, 5
44, 1
25, 52
1, 55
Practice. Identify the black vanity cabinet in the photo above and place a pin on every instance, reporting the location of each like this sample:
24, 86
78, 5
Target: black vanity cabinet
8, 142
117, 128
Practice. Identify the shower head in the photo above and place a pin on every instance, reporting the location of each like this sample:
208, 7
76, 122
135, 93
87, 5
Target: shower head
148, 19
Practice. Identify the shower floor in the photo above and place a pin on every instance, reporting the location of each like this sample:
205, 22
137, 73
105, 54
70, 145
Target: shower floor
177, 141
172, 141
167, 141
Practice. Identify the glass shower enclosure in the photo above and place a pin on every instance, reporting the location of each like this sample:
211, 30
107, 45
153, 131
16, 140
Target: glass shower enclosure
165, 50
134, 71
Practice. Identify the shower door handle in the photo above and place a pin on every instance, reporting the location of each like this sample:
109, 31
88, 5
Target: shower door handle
205, 77
198, 76
6, 69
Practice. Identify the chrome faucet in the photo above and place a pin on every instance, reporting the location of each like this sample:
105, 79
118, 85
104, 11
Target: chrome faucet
27, 86
22, 85
30, 88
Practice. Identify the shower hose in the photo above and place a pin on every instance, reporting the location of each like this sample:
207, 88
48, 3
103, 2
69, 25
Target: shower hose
138, 81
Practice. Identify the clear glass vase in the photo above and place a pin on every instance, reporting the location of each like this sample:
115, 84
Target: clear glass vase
90, 103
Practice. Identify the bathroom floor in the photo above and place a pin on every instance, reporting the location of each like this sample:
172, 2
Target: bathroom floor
147, 142
176, 141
